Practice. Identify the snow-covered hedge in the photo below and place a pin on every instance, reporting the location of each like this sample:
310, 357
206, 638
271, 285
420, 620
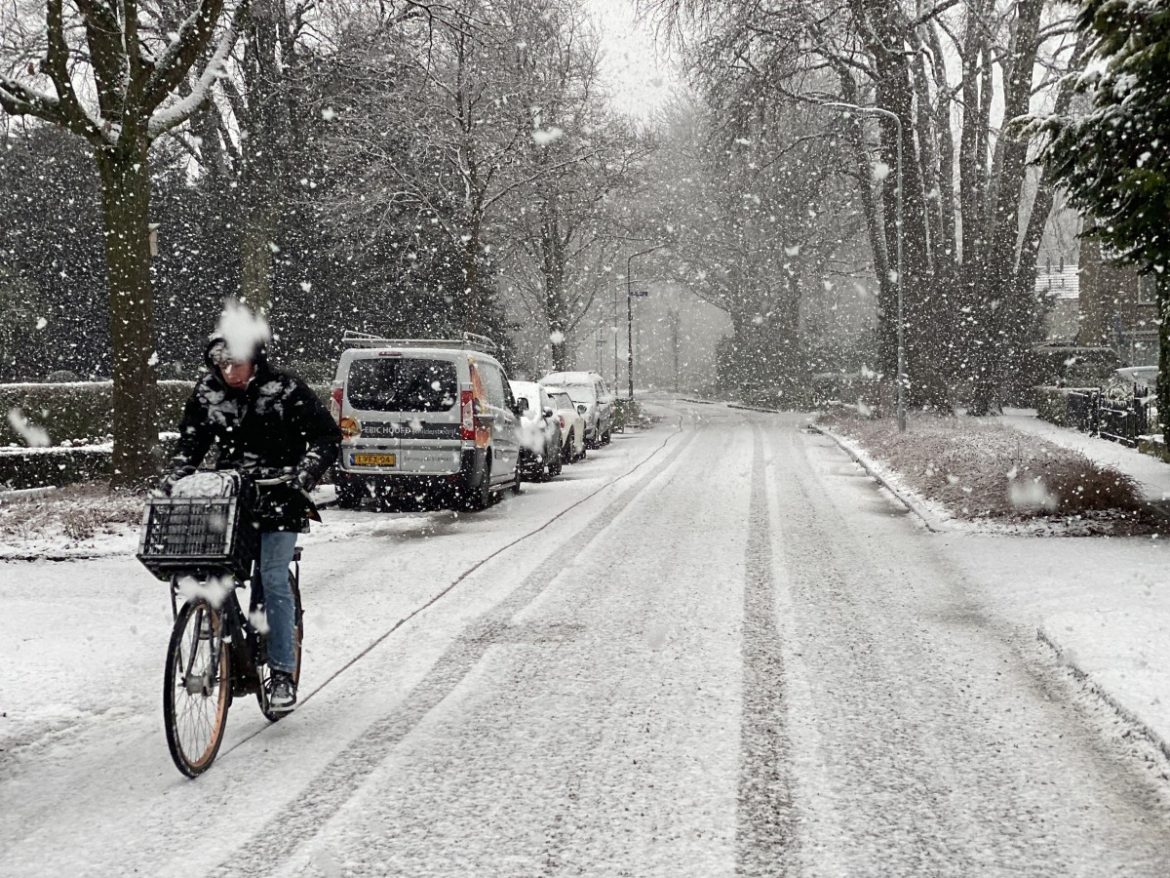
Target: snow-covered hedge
39, 467
78, 410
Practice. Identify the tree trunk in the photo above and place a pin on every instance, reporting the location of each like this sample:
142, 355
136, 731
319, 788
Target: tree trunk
125, 177
263, 150
1005, 306
925, 327
473, 305
552, 269
887, 294
1163, 389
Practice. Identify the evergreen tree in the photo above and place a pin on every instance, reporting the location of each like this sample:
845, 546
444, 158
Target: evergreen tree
1115, 159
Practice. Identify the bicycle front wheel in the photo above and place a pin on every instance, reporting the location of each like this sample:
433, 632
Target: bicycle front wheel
197, 687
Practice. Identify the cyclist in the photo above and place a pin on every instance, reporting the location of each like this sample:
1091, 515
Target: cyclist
265, 422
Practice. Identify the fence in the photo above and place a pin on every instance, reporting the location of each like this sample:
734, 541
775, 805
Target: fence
1122, 420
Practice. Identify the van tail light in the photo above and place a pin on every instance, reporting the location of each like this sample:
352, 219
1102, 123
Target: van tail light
467, 415
335, 402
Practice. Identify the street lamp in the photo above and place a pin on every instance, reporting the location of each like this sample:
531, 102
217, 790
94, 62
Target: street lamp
878, 111
630, 311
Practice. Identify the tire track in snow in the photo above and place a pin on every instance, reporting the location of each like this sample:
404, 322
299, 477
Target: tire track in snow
322, 797
765, 825
458, 580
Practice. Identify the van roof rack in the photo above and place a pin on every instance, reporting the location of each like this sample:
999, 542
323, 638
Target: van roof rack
353, 339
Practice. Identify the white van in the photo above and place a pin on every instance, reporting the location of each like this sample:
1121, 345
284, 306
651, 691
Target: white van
425, 423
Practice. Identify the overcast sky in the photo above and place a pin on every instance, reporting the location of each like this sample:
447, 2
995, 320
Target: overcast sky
637, 73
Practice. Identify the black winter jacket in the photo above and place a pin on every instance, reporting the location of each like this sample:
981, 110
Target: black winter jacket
274, 424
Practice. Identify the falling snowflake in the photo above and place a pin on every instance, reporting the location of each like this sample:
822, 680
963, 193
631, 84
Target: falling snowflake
35, 436
545, 136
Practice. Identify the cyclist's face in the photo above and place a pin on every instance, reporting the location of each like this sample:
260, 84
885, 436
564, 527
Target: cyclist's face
237, 375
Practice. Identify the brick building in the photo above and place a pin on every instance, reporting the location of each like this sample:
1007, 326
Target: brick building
1118, 308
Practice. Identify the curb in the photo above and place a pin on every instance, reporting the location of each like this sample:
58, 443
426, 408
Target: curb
752, 408
1098, 691
932, 522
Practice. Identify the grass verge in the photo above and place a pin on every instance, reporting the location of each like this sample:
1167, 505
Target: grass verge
986, 470
76, 512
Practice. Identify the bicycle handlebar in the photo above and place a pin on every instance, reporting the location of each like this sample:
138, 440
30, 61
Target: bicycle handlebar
268, 483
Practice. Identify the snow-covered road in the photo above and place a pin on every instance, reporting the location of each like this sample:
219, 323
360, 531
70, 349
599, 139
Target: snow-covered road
712, 648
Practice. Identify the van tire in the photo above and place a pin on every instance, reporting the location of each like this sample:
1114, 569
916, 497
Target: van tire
348, 498
479, 497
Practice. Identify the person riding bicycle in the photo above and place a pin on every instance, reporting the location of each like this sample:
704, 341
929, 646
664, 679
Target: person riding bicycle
266, 422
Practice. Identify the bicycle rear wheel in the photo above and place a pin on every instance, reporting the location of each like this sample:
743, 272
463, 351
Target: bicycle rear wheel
197, 687
298, 636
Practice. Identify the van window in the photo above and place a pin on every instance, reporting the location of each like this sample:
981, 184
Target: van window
494, 384
402, 385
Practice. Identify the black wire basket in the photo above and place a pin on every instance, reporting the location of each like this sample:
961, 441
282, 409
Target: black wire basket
206, 534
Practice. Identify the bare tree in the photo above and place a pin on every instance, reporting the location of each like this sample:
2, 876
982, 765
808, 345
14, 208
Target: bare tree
956, 75
111, 72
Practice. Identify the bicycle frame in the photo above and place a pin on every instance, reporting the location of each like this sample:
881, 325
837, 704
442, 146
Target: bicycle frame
236, 627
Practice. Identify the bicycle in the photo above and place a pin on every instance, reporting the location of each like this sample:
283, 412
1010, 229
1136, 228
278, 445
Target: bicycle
207, 548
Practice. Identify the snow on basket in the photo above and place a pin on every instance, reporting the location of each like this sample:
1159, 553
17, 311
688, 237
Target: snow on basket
205, 525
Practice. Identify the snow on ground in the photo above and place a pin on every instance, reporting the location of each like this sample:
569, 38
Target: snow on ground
81, 736
599, 723
1102, 602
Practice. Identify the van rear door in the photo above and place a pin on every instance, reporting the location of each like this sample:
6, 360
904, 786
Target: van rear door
407, 407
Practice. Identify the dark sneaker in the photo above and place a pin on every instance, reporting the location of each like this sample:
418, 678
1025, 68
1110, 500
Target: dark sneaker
282, 692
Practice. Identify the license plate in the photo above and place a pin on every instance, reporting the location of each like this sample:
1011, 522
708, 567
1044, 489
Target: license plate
375, 460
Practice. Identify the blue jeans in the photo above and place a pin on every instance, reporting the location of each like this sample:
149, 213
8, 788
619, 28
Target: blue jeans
276, 554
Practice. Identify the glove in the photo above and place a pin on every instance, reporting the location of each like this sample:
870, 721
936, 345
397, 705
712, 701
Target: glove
304, 482
167, 484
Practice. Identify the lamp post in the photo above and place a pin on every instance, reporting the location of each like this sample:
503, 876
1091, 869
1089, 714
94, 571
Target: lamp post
878, 111
630, 312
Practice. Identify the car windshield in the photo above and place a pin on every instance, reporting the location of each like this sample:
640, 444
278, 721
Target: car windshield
402, 385
582, 393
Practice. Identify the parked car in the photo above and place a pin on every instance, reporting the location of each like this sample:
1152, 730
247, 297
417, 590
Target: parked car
1066, 365
572, 427
429, 423
593, 399
1139, 380
540, 432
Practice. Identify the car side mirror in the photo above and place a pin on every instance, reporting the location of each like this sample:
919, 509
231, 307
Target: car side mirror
521, 405
581, 409
548, 413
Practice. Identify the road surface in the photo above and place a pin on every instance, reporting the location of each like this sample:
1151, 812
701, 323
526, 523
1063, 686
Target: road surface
713, 648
